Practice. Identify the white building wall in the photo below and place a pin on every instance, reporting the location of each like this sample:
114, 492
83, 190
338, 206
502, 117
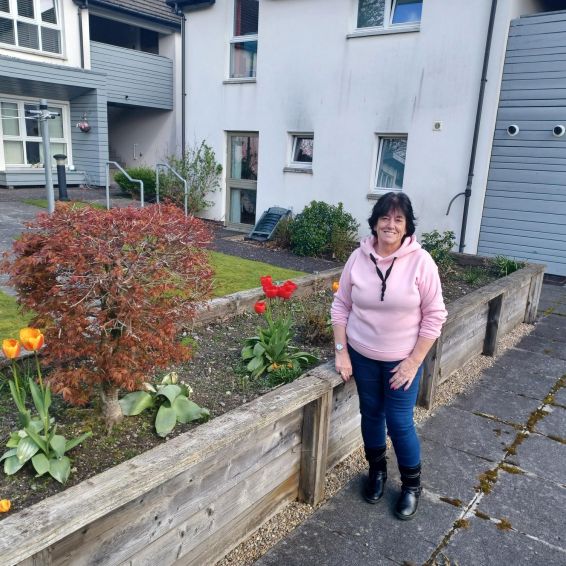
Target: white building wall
312, 77
70, 39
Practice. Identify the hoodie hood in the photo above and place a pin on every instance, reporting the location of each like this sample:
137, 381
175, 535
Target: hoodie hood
408, 246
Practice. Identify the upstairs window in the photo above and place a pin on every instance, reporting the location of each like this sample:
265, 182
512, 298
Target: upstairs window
243, 47
30, 24
391, 155
302, 145
389, 13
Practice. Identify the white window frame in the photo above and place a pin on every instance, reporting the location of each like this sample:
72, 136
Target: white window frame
39, 23
241, 39
388, 25
298, 166
375, 188
23, 137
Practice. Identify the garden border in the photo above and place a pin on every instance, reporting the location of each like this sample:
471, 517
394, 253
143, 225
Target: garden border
199, 494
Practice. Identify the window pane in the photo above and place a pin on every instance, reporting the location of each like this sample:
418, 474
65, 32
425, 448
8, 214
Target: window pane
32, 125
242, 206
10, 119
50, 40
33, 153
4, 5
370, 13
407, 11
303, 150
55, 148
25, 8
7, 31
13, 153
47, 9
27, 35
246, 17
391, 168
56, 125
243, 59
243, 150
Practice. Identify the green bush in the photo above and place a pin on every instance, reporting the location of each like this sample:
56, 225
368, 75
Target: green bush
503, 266
439, 246
324, 229
282, 235
143, 173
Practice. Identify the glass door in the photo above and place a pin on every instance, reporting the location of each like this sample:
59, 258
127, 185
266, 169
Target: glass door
242, 179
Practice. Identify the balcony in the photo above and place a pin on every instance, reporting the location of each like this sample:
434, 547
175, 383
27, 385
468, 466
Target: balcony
134, 78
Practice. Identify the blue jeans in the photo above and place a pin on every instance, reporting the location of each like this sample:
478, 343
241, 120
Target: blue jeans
380, 406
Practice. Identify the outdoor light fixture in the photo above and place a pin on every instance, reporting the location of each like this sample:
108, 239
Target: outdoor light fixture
513, 129
83, 125
558, 131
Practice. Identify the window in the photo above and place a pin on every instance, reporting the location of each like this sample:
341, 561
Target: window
21, 136
301, 151
391, 163
243, 47
30, 24
389, 13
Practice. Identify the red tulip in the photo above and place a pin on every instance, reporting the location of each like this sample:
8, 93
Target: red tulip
266, 281
286, 290
260, 307
271, 291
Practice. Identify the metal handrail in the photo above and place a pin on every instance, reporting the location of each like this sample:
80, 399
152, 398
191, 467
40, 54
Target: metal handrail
185, 182
108, 163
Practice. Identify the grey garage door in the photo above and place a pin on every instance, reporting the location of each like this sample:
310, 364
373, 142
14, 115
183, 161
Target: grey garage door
524, 213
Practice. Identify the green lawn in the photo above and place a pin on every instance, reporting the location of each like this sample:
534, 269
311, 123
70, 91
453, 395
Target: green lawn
232, 274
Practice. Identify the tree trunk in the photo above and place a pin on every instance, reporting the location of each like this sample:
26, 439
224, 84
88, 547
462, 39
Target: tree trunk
111, 410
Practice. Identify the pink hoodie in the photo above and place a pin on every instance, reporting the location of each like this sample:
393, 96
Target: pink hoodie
413, 306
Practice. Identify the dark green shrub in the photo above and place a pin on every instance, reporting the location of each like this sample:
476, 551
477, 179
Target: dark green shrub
143, 173
439, 246
323, 229
282, 235
503, 266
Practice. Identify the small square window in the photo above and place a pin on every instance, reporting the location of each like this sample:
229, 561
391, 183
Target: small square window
407, 12
390, 169
388, 13
302, 150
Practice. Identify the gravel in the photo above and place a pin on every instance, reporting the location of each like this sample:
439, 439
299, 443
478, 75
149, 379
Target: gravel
281, 524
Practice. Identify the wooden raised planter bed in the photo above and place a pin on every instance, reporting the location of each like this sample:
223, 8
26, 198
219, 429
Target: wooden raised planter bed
192, 499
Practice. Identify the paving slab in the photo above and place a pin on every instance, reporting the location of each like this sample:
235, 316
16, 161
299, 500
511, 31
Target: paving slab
555, 348
560, 397
483, 544
553, 424
513, 493
467, 432
543, 457
505, 405
552, 326
347, 530
523, 372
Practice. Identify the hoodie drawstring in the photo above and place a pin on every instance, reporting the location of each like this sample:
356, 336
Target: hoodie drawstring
380, 274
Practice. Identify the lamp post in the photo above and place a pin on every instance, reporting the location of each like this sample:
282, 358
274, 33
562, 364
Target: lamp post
61, 176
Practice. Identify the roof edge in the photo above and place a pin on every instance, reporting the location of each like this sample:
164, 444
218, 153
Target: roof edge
191, 5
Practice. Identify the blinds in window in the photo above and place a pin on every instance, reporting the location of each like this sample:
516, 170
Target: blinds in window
4, 5
25, 8
7, 34
50, 40
47, 9
28, 35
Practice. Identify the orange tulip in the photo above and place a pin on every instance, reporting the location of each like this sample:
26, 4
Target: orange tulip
5, 505
11, 348
335, 286
31, 339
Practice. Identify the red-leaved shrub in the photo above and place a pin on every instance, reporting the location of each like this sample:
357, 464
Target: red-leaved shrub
109, 288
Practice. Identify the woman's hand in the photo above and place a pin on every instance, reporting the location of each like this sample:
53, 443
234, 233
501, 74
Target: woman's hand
343, 364
404, 373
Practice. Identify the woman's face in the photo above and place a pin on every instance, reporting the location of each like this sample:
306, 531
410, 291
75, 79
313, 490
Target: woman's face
391, 228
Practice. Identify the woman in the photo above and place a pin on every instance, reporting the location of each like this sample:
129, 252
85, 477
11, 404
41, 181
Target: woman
386, 315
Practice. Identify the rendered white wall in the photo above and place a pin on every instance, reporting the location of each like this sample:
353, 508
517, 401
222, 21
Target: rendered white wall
311, 77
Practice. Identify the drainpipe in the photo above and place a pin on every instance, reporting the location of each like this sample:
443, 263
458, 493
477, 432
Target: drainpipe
468, 192
179, 12
81, 32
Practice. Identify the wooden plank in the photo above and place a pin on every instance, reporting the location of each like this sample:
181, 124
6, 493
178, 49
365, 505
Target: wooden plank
535, 289
51, 520
349, 440
316, 426
492, 329
228, 537
344, 397
127, 530
429, 379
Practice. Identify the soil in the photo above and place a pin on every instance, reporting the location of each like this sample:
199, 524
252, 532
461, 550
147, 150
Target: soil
216, 375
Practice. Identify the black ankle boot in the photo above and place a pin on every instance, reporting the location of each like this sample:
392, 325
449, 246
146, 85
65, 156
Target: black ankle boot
408, 501
373, 489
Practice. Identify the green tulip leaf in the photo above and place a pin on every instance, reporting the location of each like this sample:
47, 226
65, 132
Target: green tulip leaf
47, 399
36, 425
259, 349
8, 453
187, 410
170, 391
255, 363
134, 403
26, 449
40, 463
12, 465
60, 468
165, 420
247, 352
37, 439
14, 440
58, 444
37, 399
70, 444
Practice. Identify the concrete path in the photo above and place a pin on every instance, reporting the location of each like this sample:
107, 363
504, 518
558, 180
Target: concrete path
507, 434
